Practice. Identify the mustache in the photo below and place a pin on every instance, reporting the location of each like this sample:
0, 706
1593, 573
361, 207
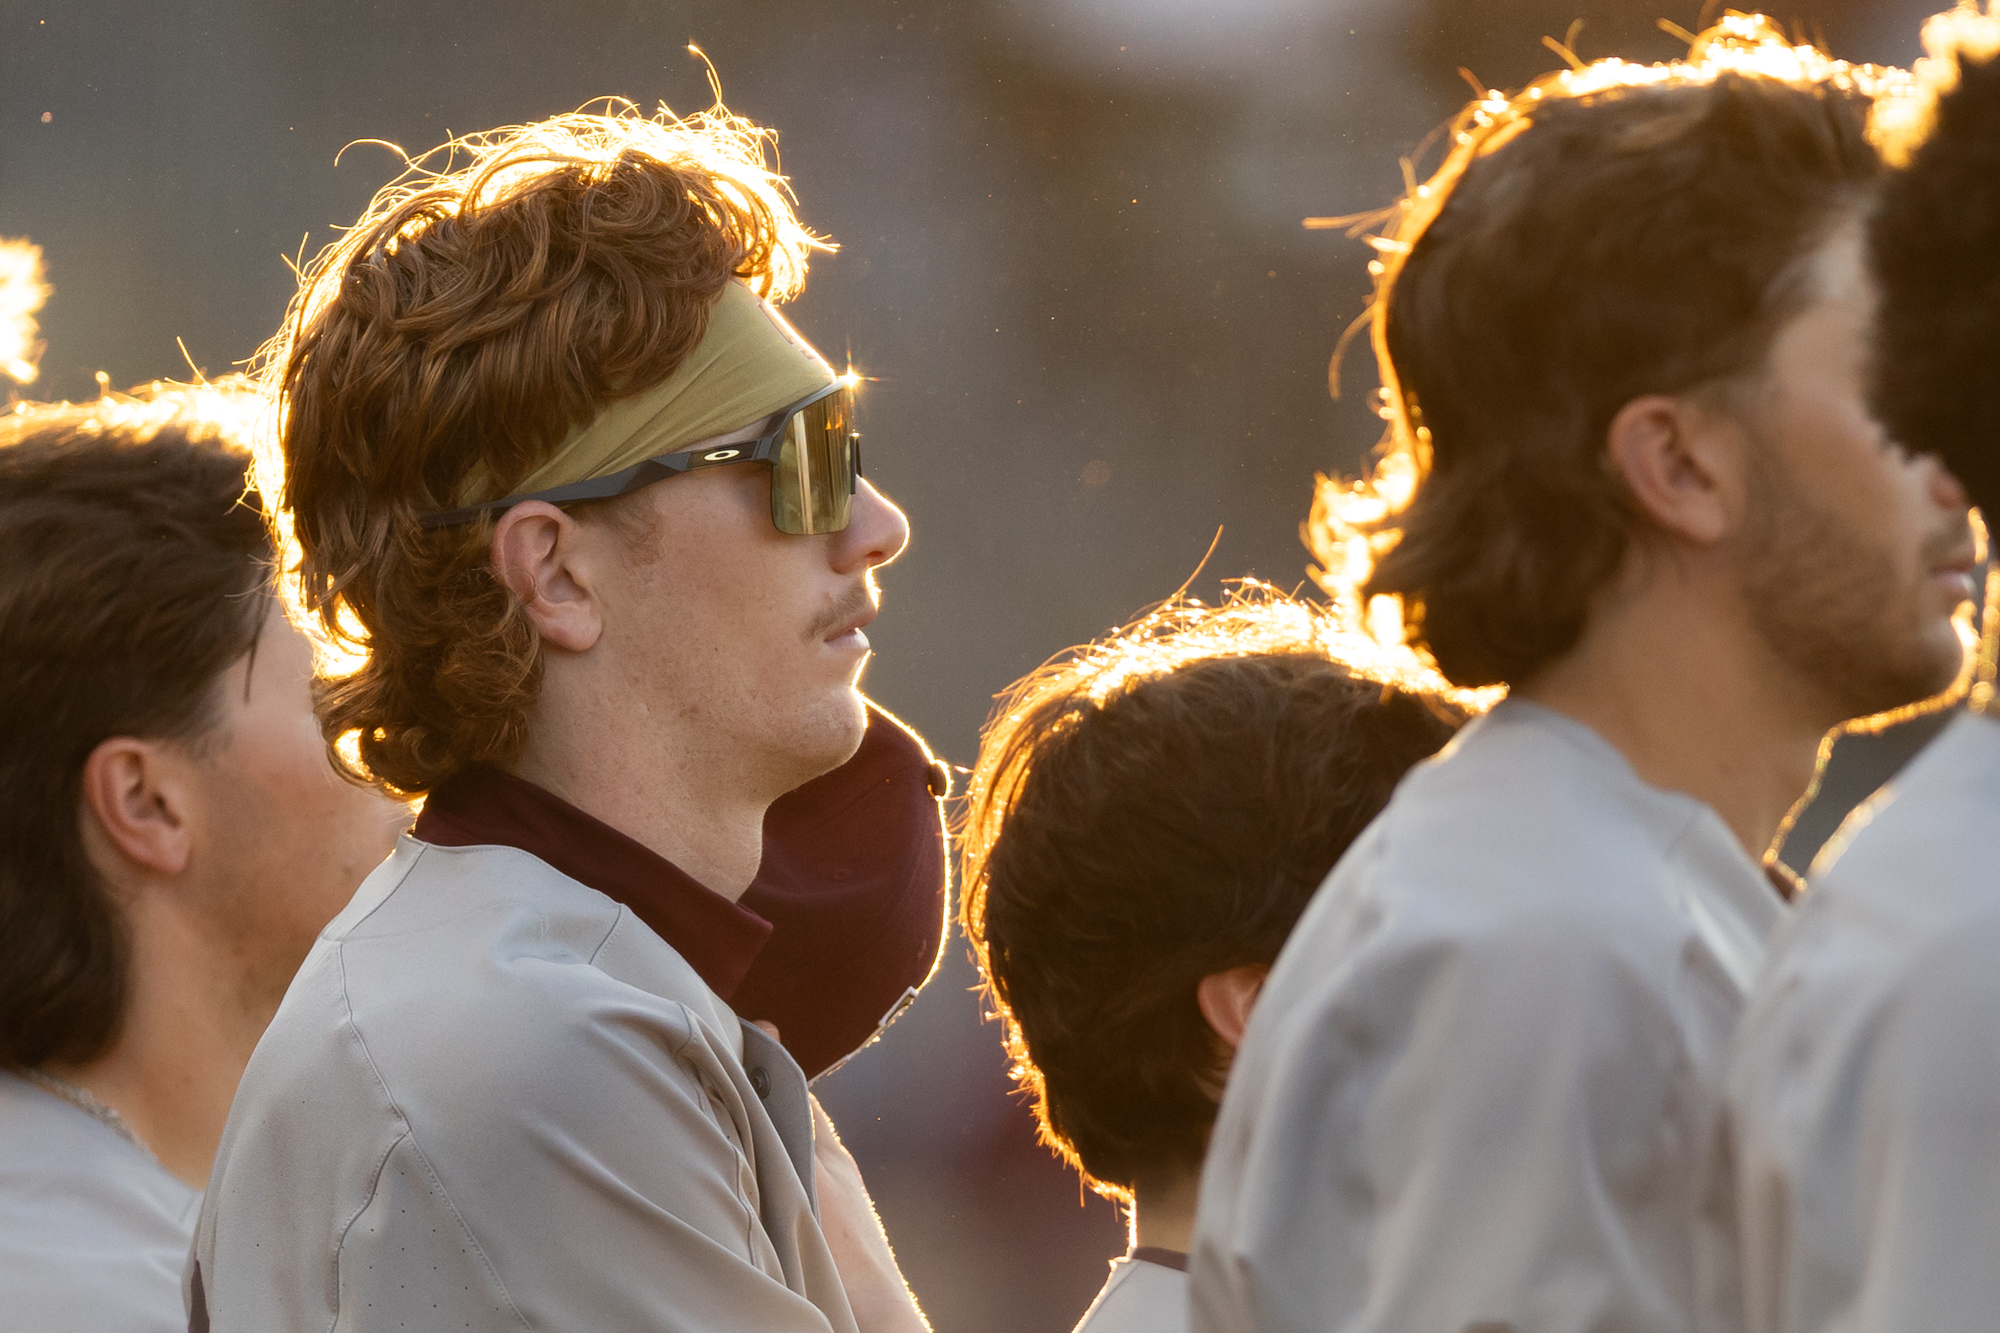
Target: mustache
862, 599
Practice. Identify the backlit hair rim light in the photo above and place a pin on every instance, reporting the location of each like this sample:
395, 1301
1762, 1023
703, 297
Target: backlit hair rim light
485, 169
1352, 523
1902, 120
22, 292
502, 292
1254, 618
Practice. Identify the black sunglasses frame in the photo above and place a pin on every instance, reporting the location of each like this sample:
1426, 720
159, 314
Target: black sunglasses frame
764, 449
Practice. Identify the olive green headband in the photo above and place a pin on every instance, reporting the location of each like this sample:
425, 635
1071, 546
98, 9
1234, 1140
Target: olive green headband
748, 365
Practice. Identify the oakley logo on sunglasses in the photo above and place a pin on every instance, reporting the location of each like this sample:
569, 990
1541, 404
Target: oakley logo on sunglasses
721, 455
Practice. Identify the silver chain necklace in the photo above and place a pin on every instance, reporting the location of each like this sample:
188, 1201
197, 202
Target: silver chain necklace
84, 1100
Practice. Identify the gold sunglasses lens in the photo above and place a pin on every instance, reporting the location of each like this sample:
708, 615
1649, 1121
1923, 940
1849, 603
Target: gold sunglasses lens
812, 482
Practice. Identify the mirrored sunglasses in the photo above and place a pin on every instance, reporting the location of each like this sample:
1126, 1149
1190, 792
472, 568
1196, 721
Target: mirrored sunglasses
815, 459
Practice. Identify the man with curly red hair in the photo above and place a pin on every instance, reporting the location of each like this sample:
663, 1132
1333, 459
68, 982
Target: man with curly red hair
588, 514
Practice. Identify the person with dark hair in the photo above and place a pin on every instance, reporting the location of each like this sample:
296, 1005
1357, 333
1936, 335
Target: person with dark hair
587, 515
171, 836
1865, 1083
1632, 476
1148, 817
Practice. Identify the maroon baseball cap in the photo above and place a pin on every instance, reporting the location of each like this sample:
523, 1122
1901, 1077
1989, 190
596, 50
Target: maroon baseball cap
855, 883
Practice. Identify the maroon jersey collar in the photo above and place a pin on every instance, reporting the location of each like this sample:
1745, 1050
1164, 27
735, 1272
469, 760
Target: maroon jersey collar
485, 806
844, 921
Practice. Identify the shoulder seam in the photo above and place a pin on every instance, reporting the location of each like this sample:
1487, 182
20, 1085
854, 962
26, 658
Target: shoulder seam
617, 920
375, 1181
437, 1187
752, 1215
380, 903
340, 1245
407, 1136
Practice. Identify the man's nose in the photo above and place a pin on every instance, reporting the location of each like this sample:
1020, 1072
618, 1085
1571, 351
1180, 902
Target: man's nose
1946, 489
876, 532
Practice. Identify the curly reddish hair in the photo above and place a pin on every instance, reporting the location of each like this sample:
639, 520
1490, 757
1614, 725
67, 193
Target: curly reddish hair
474, 315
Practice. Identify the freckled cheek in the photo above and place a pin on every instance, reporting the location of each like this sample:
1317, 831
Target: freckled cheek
749, 626
736, 604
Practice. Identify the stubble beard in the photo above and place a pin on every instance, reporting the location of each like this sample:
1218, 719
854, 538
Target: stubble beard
1832, 607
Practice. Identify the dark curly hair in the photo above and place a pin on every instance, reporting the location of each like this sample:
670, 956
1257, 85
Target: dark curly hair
469, 320
1147, 811
1935, 245
133, 563
1613, 231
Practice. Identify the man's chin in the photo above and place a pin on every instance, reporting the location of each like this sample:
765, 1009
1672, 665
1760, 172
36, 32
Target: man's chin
1948, 654
1931, 670
828, 735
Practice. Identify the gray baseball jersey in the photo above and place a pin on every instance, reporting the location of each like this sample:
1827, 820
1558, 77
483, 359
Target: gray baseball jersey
1481, 1090
93, 1232
1866, 1079
494, 1099
1140, 1296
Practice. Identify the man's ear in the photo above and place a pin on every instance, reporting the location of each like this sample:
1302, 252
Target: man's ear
537, 553
1681, 462
136, 809
1225, 999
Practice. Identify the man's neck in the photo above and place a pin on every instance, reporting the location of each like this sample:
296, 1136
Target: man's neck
1683, 688
187, 1033
695, 805
1162, 1213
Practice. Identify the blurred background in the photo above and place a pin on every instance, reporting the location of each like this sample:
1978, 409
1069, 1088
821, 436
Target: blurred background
1071, 257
